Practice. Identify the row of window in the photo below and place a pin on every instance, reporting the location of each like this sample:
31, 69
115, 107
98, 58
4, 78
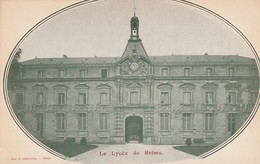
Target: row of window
164, 72
62, 73
165, 121
209, 71
187, 122
165, 98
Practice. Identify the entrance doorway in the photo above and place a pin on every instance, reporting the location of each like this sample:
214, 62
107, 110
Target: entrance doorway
134, 129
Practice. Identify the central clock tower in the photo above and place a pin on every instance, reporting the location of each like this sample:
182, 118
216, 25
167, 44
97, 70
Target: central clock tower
135, 61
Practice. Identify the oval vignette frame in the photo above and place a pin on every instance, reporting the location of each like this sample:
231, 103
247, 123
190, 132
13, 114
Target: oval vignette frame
220, 146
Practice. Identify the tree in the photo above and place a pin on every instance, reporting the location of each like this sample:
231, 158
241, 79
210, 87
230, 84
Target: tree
14, 67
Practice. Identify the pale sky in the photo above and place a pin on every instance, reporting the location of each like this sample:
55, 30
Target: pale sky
103, 28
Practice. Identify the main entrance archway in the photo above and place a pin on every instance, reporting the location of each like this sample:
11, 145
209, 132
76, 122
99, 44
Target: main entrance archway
134, 129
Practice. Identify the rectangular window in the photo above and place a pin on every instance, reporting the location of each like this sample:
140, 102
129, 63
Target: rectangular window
19, 99
187, 71
61, 73
186, 97
254, 96
40, 73
165, 121
104, 99
134, 97
82, 121
39, 98
254, 72
232, 118
61, 99
82, 73
209, 121
210, 97
165, 98
232, 97
82, 98
165, 71
39, 121
186, 121
103, 73
209, 71
231, 71
61, 121
103, 121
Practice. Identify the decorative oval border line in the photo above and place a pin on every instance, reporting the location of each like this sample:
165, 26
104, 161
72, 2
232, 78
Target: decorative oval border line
223, 144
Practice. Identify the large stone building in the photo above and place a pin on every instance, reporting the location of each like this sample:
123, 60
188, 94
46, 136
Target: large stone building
136, 97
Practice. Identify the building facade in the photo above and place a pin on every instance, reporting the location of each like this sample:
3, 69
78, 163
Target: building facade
136, 97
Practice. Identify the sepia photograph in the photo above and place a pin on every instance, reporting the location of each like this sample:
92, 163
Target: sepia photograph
131, 82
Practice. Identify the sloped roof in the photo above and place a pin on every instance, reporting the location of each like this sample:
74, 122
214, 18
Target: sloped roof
134, 45
201, 59
89, 60
172, 59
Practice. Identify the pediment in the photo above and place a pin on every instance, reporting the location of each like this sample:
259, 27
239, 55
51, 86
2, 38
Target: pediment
61, 86
232, 86
103, 86
209, 86
187, 86
164, 85
134, 85
40, 86
82, 86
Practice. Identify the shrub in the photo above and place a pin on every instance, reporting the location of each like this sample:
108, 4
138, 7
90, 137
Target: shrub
83, 141
70, 139
188, 141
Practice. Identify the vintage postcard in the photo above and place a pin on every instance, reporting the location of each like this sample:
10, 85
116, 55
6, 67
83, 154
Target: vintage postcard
131, 81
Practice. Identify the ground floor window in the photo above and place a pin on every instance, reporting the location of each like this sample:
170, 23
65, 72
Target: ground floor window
209, 121
103, 121
165, 121
82, 121
39, 124
187, 121
232, 123
61, 121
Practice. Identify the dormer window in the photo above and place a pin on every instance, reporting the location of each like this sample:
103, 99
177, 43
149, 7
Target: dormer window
209, 71
82, 73
103, 73
61, 73
165, 71
231, 71
187, 71
254, 72
40, 73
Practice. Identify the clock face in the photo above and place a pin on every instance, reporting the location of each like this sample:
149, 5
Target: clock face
134, 66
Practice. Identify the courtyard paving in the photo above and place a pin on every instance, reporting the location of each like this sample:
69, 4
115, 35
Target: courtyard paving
132, 153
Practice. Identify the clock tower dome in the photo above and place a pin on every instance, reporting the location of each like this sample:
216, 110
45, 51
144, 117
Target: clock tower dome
134, 23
